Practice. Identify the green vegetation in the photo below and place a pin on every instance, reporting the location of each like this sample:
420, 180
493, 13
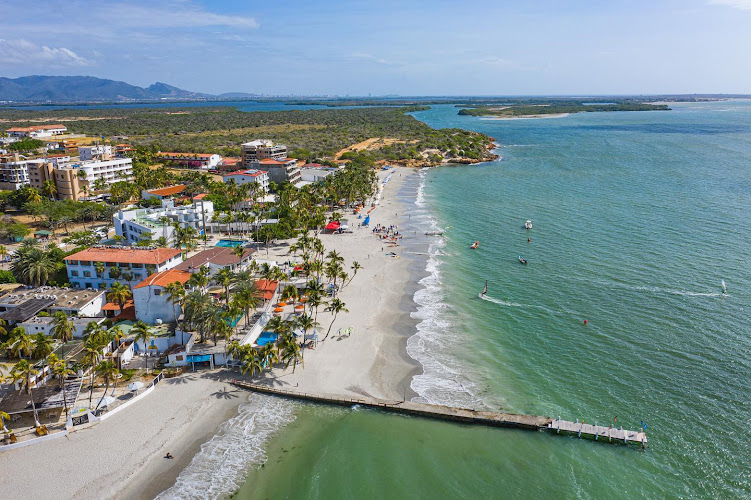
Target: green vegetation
527, 108
308, 134
25, 145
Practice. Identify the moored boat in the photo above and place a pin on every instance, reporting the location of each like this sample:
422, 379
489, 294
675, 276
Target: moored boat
522, 260
528, 224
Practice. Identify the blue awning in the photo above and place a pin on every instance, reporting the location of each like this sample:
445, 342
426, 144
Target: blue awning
198, 358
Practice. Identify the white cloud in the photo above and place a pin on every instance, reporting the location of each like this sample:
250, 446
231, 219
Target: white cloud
371, 57
173, 15
24, 52
736, 4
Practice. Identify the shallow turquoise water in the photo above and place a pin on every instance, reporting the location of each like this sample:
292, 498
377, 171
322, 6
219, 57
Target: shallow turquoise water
637, 219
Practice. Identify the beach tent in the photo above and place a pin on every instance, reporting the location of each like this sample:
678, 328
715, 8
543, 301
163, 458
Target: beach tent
366, 221
333, 225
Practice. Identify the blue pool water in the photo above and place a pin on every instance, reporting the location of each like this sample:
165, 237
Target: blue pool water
230, 243
266, 338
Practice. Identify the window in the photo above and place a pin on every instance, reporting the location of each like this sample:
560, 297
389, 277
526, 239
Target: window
157, 291
74, 273
87, 274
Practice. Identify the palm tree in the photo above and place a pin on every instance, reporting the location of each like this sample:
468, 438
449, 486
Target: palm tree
60, 370
306, 322
63, 330
43, 345
92, 352
119, 294
142, 333
99, 268
3, 252
20, 343
32, 265
224, 278
176, 293
3, 417
109, 371
200, 279
336, 306
23, 371
49, 189
252, 362
291, 352
355, 267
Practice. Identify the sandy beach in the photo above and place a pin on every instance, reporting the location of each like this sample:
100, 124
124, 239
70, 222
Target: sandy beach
525, 117
122, 457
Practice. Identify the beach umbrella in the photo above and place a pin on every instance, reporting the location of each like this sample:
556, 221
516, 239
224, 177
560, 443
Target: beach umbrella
282, 304
134, 386
299, 307
107, 400
278, 310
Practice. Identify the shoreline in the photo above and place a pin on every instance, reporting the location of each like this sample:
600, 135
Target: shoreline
524, 117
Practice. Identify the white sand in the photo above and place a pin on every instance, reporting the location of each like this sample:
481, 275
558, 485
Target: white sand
373, 360
122, 457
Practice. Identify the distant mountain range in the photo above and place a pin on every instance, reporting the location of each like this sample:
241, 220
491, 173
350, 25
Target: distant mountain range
53, 89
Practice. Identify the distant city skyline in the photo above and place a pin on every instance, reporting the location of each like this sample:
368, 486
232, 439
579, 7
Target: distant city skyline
361, 48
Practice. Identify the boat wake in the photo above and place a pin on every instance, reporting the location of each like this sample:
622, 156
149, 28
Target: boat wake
501, 302
222, 465
656, 289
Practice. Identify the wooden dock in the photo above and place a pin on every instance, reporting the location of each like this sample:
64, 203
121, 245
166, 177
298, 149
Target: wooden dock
467, 416
597, 432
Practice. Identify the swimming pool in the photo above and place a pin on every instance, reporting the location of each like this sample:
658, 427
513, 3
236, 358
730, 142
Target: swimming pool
224, 242
266, 338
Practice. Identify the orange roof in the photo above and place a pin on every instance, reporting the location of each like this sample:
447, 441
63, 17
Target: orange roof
35, 127
200, 196
165, 278
271, 161
249, 173
266, 287
166, 191
126, 255
186, 156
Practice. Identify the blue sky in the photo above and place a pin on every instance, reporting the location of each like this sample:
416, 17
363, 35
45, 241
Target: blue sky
388, 47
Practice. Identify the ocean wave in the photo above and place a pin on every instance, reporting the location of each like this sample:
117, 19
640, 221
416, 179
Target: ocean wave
443, 380
221, 466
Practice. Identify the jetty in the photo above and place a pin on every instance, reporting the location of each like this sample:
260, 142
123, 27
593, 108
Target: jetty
463, 415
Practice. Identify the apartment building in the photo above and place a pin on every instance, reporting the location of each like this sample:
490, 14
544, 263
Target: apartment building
157, 222
77, 179
37, 131
284, 170
102, 265
14, 171
260, 177
152, 302
99, 152
261, 149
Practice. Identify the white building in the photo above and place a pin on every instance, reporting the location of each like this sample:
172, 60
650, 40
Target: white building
37, 131
91, 152
126, 265
260, 149
152, 302
282, 170
14, 172
199, 160
260, 177
22, 304
110, 170
46, 325
316, 174
134, 224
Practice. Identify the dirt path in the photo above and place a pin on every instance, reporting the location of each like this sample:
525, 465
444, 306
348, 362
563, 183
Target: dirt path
369, 144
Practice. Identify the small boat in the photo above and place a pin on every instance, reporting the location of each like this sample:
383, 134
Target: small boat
474, 245
724, 288
522, 260
485, 290
528, 224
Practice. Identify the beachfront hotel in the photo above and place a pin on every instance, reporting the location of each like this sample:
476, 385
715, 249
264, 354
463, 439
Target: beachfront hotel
133, 225
123, 264
37, 131
262, 149
260, 177
75, 180
199, 160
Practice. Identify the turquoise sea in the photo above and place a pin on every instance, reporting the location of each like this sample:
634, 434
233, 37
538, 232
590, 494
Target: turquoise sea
638, 217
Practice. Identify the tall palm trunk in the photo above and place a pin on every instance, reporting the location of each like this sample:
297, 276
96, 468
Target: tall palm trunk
332, 324
106, 388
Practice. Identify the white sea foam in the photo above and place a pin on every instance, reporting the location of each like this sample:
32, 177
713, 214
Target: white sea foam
221, 466
443, 380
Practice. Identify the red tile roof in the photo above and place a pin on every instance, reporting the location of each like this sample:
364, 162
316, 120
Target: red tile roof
166, 191
185, 156
165, 278
271, 161
126, 255
200, 196
219, 256
267, 288
249, 173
